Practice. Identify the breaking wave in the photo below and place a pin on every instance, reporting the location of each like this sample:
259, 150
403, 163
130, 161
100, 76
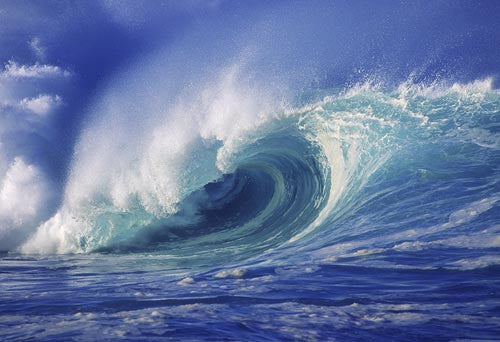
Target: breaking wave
232, 171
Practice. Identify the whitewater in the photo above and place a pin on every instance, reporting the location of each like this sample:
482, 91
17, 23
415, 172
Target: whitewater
234, 196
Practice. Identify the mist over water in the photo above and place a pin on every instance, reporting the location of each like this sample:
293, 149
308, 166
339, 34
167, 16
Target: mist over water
302, 170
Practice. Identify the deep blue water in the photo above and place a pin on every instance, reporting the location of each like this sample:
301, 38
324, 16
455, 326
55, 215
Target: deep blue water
316, 301
324, 171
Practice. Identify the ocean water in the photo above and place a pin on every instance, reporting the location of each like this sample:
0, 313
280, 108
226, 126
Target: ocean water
249, 171
361, 213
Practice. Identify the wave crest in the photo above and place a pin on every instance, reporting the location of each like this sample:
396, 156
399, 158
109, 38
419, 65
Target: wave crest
206, 190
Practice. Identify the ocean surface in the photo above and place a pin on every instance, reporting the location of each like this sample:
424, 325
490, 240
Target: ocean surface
249, 171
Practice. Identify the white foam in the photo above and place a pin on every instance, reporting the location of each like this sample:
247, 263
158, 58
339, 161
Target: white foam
186, 281
475, 263
236, 273
475, 89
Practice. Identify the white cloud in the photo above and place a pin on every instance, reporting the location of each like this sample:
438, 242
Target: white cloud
37, 47
27, 96
41, 105
24, 198
22, 192
14, 70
